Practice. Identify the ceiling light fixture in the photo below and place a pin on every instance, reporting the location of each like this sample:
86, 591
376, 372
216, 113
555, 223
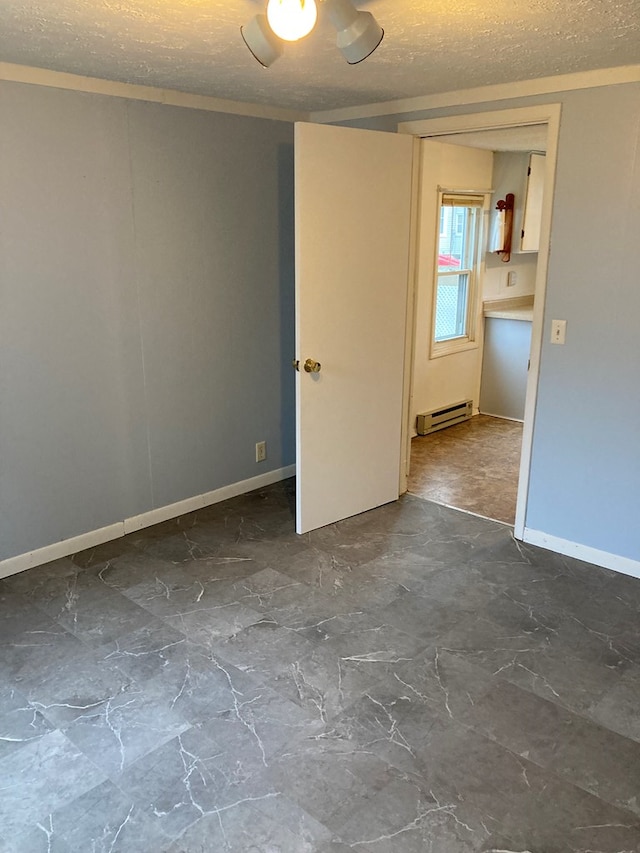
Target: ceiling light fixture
291, 19
358, 33
263, 43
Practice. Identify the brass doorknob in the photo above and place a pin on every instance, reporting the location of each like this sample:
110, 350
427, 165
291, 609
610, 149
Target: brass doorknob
312, 366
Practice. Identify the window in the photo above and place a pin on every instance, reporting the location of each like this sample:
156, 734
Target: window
460, 220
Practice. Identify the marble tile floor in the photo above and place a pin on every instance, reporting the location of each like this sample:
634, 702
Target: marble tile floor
407, 680
472, 466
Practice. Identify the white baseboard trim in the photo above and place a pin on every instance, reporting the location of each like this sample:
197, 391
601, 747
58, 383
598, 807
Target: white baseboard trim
164, 513
502, 417
624, 565
56, 550
93, 538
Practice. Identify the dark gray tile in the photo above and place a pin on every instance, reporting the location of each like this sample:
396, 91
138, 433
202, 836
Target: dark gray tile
572, 747
79, 686
240, 828
133, 567
404, 819
101, 821
321, 683
202, 610
148, 651
222, 568
308, 832
40, 778
20, 722
617, 708
446, 598
329, 776
441, 681
410, 679
258, 725
31, 654
76, 599
188, 777
187, 678
369, 642
564, 818
266, 591
501, 792
551, 662
18, 613
397, 729
176, 547
98, 557
128, 725
263, 649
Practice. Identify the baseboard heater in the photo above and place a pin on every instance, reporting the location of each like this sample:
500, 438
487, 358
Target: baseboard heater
440, 418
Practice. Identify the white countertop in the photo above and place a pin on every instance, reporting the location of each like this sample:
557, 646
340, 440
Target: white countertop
525, 314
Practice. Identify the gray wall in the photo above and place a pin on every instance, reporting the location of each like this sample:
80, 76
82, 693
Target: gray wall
146, 312
146, 307
585, 474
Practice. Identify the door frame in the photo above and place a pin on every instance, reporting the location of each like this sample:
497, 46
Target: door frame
548, 114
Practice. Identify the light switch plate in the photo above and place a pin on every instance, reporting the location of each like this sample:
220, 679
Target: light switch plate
558, 331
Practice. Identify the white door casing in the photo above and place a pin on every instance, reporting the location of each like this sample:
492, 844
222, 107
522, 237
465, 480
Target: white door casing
548, 114
353, 192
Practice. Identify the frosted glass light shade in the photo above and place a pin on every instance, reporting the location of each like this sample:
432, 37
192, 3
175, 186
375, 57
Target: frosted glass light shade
291, 20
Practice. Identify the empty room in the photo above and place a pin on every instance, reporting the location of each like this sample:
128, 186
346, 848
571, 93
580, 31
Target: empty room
252, 256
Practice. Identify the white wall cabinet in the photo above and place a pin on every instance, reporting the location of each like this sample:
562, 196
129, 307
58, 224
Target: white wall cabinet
530, 236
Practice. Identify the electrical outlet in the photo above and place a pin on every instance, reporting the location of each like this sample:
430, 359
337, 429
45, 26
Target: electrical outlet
512, 278
261, 451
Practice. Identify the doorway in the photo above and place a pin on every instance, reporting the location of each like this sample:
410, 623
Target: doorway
507, 131
472, 466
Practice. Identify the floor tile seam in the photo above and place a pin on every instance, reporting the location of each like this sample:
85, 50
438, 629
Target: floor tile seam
560, 617
633, 818
258, 805
580, 713
462, 654
96, 566
189, 609
64, 836
559, 777
83, 648
107, 772
87, 758
569, 568
42, 606
378, 616
116, 778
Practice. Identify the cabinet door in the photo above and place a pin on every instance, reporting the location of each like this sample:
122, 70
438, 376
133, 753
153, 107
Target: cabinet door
533, 204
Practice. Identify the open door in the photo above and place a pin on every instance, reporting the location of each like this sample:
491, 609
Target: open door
352, 220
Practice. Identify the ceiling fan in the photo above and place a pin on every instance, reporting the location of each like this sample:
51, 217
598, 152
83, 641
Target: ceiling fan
358, 33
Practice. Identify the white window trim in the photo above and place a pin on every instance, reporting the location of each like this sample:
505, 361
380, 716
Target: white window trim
438, 349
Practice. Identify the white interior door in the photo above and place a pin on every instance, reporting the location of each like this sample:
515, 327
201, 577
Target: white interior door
352, 219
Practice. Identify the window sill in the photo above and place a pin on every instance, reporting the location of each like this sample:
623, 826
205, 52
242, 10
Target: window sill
452, 347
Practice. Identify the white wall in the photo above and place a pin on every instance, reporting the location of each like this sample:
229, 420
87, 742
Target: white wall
449, 378
146, 307
510, 176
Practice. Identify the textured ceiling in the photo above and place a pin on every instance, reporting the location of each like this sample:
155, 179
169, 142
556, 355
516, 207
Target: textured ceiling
429, 47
